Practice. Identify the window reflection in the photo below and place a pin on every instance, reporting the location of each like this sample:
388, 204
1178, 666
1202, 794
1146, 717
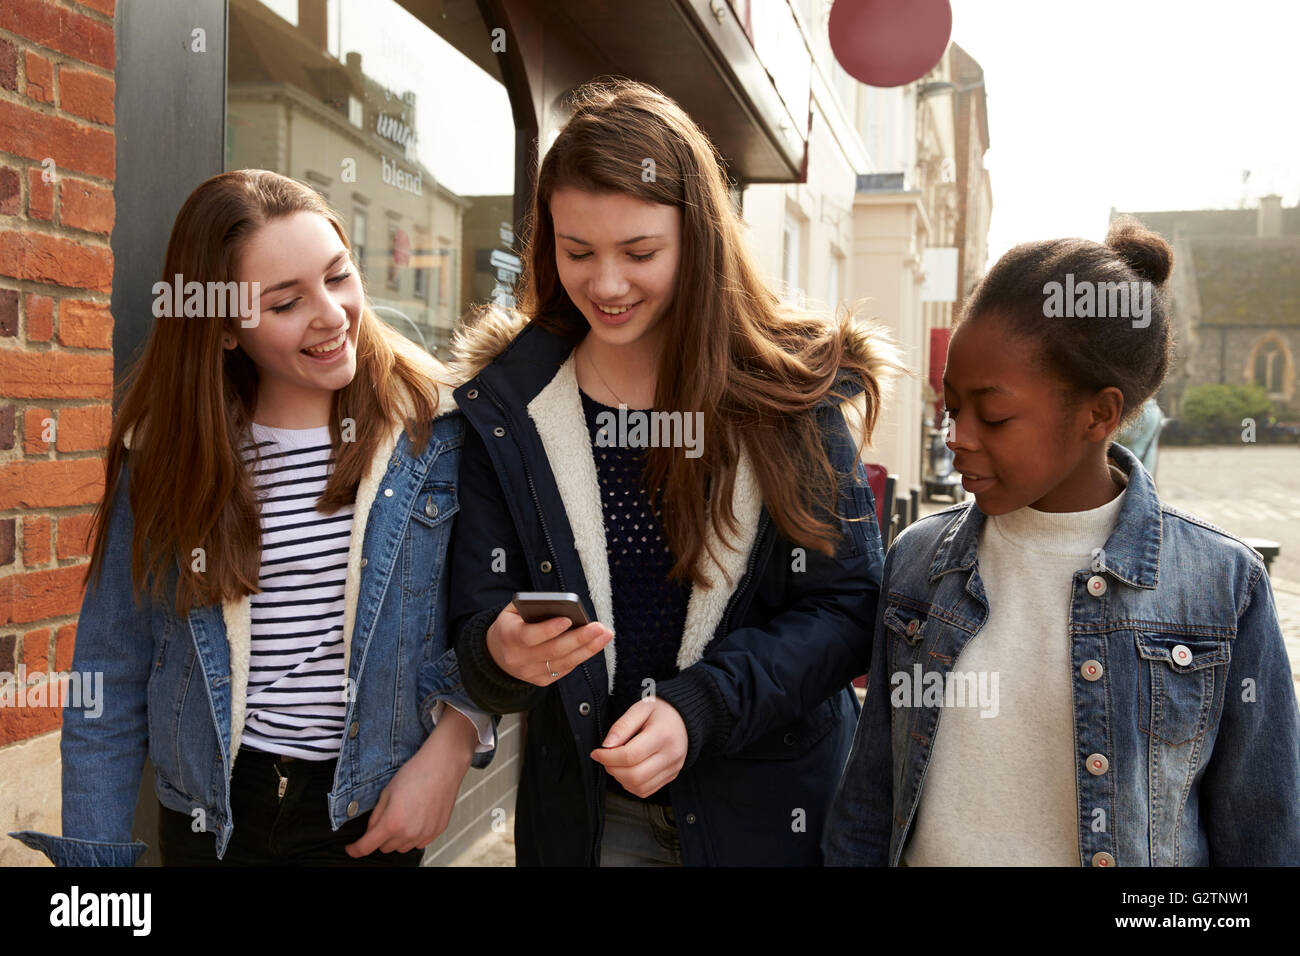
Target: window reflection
403, 126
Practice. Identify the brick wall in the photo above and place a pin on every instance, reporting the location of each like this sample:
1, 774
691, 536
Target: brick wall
57, 152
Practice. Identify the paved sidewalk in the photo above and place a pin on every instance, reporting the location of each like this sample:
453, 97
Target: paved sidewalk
491, 849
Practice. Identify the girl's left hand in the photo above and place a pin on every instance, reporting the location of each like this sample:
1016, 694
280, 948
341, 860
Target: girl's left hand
646, 747
415, 807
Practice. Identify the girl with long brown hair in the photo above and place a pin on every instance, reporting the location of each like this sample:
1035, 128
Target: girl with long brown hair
655, 431
266, 577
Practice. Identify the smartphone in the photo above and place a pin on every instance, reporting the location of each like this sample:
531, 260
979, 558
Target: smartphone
534, 606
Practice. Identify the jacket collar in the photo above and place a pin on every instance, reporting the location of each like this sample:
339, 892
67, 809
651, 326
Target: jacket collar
1132, 552
556, 412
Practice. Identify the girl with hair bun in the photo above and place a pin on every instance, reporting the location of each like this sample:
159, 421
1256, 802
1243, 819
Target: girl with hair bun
1066, 670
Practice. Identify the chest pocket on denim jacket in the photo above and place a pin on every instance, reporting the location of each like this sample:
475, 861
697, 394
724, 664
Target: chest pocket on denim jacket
1180, 684
907, 626
431, 516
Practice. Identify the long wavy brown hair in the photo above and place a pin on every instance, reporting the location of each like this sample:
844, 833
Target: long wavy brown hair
188, 404
755, 366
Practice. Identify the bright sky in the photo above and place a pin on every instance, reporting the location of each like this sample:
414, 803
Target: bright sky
1136, 104
462, 115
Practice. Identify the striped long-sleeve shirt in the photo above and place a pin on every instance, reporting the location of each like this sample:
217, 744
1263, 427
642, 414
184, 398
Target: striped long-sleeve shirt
296, 703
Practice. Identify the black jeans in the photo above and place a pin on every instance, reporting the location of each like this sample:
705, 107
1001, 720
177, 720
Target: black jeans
270, 830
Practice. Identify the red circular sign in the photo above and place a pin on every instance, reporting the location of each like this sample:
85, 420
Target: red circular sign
889, 42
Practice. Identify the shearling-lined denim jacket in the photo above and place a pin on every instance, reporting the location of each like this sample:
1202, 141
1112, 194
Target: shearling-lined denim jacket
1186, 732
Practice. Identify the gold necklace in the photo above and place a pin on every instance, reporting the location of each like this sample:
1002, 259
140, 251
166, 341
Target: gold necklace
592, 363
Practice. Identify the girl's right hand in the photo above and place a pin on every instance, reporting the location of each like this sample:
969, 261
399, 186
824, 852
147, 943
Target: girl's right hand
544, 652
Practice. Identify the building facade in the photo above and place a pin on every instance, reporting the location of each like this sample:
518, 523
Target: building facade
1235, 291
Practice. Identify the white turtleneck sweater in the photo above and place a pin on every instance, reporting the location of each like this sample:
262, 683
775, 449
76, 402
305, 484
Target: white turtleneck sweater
1000, 789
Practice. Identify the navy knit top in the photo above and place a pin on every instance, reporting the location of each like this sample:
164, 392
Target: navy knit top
649, 610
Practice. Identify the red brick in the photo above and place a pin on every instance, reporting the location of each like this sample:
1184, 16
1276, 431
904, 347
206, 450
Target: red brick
86, 94
7, 550
65, 262
7, 419
8, 65
84, 206
36, 595
11, 192
34, 429
103, 6
40, 78
8, 312
38, 485
44, 375
22, 723
84, 427
73, 536
38, 530
40, 195
64, 640
85, 325
36, 651
58, 28
71, 144
40, 318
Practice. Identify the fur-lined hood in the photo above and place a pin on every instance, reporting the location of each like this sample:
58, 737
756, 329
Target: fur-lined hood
482, 338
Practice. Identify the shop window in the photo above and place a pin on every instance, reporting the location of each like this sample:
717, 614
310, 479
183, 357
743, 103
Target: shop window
371, 105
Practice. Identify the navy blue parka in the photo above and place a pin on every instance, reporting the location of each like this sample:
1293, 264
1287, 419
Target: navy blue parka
765, 695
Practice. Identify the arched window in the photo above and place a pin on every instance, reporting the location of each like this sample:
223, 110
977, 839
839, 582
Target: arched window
1268, 368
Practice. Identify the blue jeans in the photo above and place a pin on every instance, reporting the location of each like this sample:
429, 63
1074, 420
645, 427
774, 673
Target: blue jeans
639, 834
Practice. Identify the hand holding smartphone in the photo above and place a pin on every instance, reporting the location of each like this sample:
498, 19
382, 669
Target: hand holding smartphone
543, 635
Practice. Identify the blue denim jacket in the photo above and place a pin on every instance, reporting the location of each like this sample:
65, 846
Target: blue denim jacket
167, 680
1202, 755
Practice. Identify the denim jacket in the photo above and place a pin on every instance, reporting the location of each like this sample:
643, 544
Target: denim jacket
174, 687
1186, 731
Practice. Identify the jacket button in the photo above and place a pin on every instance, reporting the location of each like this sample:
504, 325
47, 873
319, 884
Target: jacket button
1097, 764
690, 818
430, 508
789, 740
1103, 859
364, 562
545, 567
913, 626
472, 393
1091, 670
584, 708
1096, 585
388, 492
498, 431
352, 731
1182, 655
353, 807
